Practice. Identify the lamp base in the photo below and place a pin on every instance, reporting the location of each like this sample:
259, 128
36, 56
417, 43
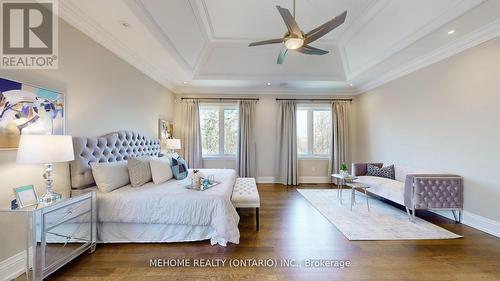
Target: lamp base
50, 197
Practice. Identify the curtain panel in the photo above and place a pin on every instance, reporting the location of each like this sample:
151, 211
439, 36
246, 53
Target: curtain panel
339, 151
286, 146
246, 156
192, 134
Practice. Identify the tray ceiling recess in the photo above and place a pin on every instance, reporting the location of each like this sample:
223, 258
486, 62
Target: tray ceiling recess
201, 46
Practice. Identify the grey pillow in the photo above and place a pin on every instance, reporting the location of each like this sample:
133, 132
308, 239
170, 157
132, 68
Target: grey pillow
139, 170
384, 172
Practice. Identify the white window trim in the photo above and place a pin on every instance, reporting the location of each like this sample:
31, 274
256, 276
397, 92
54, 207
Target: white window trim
310, 130
220, 107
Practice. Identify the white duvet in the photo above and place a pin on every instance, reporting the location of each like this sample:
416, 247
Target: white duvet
172, 203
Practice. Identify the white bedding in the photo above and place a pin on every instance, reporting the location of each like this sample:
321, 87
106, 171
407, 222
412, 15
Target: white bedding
171, 203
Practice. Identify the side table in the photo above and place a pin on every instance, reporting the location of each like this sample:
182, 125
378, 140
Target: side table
341, 182
353, 186
58, 232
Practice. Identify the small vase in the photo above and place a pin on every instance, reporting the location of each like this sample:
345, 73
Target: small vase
195, 182
344, 173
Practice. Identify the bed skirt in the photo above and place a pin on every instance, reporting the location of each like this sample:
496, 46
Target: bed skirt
155, 233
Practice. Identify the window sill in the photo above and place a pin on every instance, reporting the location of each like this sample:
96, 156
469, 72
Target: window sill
219, 157
312, 157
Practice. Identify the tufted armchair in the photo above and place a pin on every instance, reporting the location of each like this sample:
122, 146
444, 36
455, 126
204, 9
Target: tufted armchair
434, 192
416, 189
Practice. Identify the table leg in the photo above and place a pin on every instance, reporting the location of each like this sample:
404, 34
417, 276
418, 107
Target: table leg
341, 188
367, 204
353, 197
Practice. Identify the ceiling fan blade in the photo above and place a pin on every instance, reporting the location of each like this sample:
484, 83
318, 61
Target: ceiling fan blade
281, 57
309, 50
290, 22
266, 42
323, 29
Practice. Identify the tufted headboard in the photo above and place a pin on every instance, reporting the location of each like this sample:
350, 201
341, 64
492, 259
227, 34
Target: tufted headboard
112, 147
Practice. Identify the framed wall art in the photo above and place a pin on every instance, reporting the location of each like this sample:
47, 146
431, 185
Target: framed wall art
28, 109
165, 129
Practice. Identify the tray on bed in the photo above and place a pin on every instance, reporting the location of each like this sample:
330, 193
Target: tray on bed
212, 184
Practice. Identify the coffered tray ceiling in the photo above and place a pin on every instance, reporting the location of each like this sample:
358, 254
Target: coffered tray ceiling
200, 46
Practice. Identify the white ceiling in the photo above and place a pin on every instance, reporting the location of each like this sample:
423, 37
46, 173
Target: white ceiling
200, 46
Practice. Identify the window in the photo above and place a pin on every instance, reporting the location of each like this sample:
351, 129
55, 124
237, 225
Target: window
314, 130
219, 130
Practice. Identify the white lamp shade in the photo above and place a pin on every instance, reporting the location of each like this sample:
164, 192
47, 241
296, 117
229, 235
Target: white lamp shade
173, 144
45, 149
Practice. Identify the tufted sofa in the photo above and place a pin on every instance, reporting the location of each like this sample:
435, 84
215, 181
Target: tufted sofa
112, 147
416, 189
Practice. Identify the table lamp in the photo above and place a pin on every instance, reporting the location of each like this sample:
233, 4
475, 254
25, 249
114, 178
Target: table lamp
45, 149
172, 144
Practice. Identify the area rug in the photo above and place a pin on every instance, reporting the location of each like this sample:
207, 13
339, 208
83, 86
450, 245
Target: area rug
382, 222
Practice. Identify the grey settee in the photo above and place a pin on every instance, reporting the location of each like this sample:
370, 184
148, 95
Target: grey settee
416, 189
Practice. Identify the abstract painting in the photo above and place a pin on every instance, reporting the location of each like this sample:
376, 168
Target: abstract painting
27, 109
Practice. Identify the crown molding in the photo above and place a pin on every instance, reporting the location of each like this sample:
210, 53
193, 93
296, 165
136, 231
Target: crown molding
187, 90
77, 18
481, 35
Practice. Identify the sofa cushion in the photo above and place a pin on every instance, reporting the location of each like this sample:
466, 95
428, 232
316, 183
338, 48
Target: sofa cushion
384, 187
402, 171
385, 172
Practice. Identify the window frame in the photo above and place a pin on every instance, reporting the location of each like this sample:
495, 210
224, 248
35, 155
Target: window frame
310, 108
221, 107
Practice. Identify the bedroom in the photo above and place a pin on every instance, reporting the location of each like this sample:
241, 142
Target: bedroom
421, 93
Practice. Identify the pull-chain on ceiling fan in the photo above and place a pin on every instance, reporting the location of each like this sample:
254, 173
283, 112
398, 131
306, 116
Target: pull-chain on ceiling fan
295, 40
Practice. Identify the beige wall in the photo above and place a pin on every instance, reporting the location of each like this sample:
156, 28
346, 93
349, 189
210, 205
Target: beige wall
444, 117
309, 170
103, 94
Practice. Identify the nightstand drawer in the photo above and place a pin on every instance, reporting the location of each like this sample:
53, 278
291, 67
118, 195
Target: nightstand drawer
71, 211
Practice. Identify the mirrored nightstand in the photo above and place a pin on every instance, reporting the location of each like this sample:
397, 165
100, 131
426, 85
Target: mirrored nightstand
57, 233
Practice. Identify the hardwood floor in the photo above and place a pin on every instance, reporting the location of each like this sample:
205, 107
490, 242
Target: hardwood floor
292, 229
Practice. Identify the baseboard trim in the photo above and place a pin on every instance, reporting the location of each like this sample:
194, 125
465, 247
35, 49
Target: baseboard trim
476, 221
266, 180
301, 180
13, 267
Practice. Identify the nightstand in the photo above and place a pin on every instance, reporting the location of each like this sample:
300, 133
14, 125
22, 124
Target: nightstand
57, 233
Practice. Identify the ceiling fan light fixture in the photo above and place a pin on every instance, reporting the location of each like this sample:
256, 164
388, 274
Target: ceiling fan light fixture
294, 43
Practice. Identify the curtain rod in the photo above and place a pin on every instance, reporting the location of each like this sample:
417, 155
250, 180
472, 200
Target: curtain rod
219, 99
318, 99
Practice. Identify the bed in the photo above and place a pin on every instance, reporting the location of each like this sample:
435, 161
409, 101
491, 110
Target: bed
166, 212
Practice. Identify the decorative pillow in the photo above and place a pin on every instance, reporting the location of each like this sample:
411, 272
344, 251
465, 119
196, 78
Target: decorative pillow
161, 169
139, 170
179, 168
110, 176
384, 172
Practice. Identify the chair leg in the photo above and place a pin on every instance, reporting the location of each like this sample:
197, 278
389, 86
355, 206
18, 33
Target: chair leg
257, 218
459, 218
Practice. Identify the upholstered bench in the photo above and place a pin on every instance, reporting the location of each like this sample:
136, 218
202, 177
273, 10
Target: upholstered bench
246, 195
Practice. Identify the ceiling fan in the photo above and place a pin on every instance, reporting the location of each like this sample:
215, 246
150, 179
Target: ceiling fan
294, 39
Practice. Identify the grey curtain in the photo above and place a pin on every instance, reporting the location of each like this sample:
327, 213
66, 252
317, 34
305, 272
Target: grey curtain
246, 156
339, 151
286, 146
192, 134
